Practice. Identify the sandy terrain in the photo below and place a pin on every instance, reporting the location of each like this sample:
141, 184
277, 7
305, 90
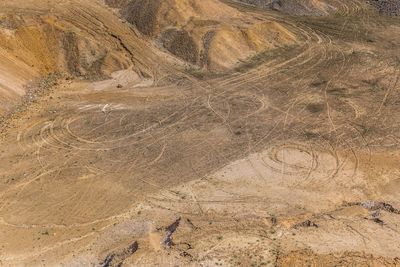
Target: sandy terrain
288, 157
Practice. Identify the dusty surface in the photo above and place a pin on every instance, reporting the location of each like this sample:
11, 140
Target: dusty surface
288, 158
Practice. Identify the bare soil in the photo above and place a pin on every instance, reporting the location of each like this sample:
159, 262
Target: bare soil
289, 157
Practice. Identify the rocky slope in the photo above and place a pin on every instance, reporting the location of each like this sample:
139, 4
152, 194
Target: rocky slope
87, 40
83, 40
209, 33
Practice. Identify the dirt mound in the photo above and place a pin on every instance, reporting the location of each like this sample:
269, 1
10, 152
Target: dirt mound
208, 33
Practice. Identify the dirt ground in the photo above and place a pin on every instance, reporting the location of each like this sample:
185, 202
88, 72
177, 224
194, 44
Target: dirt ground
289, 159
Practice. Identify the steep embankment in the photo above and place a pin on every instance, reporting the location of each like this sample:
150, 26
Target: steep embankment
79, 39
206, 33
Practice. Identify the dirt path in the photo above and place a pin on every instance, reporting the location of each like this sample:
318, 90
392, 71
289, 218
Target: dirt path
257, 164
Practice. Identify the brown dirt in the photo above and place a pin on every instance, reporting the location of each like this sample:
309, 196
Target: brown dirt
182, 26
117, 153
308, 258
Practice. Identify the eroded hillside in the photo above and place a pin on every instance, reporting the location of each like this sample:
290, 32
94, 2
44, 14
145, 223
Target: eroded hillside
209, 33
199, 133
77, 39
